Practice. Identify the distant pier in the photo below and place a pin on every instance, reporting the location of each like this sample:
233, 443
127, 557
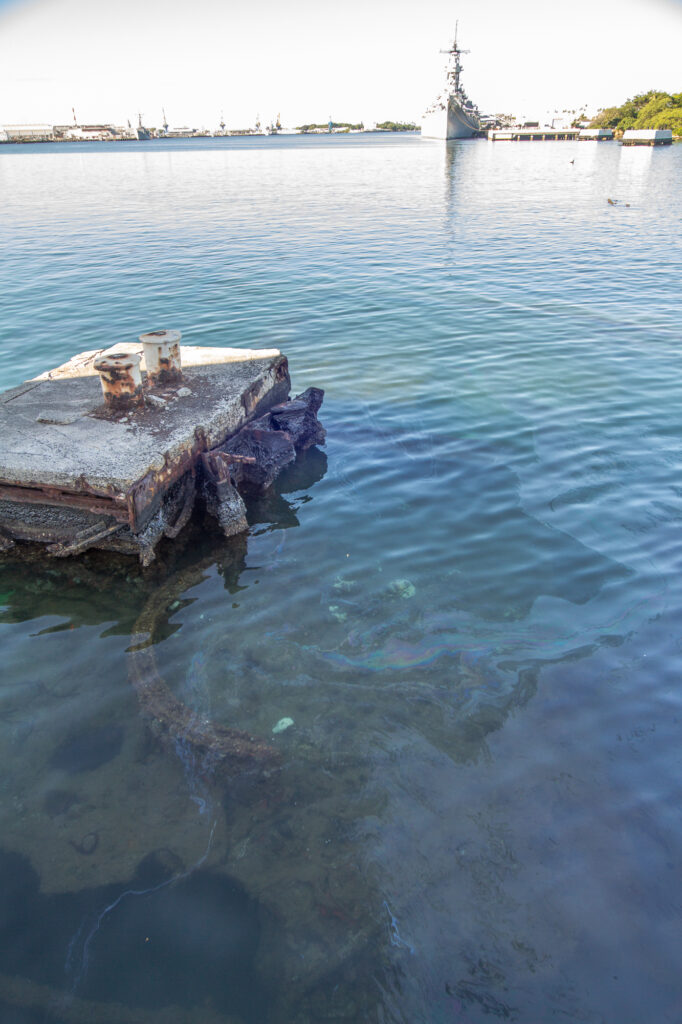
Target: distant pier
596, 134
534, 134
648, 137
632, 137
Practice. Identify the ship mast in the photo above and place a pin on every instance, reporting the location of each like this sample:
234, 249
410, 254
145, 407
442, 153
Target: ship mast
454, 66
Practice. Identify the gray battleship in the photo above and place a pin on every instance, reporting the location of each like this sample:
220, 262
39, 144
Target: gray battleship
452, 115
143, 134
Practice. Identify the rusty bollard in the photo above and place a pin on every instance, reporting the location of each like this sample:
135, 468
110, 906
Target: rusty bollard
162, 356
121, 379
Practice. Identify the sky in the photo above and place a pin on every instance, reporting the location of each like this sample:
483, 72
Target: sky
360, 60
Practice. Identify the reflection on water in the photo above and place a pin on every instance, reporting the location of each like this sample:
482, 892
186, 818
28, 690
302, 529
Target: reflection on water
466, 611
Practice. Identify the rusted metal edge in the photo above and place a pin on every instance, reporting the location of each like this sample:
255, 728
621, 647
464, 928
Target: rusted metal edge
145, 496
83, 540
116, 507
253, 395
188, 495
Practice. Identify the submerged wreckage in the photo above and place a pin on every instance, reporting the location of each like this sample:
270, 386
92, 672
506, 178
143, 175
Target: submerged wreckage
112, 449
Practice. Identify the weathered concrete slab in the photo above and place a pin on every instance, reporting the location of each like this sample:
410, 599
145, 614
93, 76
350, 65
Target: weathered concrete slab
78, 471
57, 436
83, 364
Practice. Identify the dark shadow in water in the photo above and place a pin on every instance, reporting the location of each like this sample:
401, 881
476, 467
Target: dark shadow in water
523, 557
280, 512
59, 801
187, 943
89, 749
488, 555
16, 1015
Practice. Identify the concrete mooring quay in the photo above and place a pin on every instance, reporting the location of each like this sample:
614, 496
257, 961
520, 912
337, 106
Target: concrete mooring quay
112, 449
632, 137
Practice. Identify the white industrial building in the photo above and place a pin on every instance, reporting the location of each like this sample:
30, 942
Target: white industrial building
26, 133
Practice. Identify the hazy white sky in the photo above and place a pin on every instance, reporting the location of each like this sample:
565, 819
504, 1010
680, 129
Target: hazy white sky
357, 60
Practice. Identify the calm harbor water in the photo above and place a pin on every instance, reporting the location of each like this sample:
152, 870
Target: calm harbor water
469, 603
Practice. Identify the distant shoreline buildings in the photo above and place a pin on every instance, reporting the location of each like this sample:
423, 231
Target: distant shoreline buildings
21, 133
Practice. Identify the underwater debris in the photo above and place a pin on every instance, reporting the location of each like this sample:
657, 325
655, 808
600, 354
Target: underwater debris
344, 585
217, 748
401, 588
282, 725
87, 845
263, 448
88, 749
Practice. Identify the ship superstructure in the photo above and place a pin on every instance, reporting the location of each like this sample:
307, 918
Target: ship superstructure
143, 134
453, 115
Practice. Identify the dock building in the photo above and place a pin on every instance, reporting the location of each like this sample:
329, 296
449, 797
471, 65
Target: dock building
595, 134
90, 132
647, 137
533, 134
27, 133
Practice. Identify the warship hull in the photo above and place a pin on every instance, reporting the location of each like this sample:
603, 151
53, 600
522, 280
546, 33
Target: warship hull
451, 122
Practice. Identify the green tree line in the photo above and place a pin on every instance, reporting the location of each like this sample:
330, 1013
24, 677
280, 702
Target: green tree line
648, 110
386, 126
396, 126
325, 127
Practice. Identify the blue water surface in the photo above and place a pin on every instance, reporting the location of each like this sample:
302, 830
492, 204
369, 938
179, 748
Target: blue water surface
469, 604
